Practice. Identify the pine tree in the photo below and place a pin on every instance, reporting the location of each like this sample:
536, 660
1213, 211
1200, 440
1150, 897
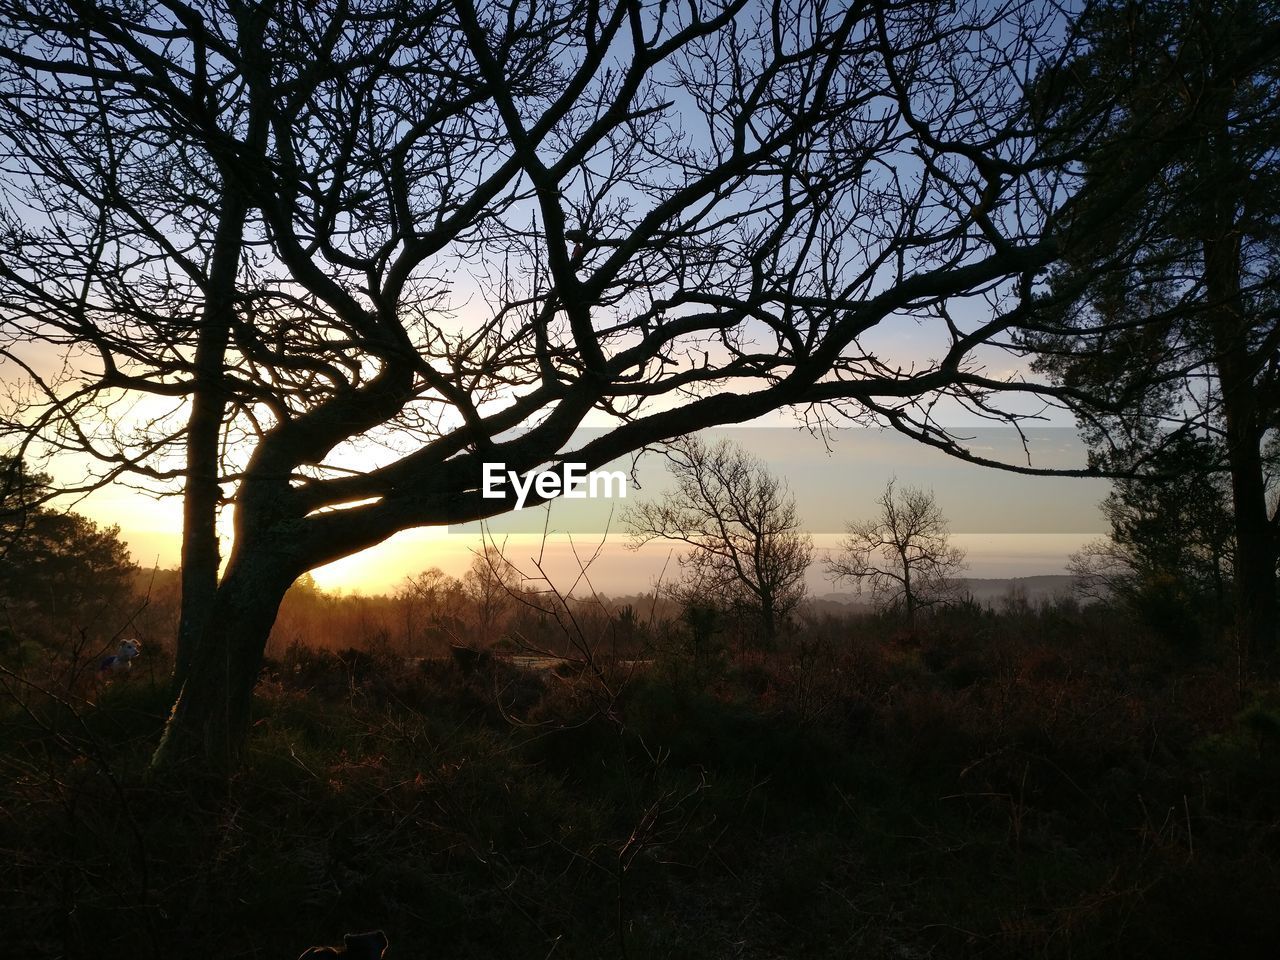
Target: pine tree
1185, 276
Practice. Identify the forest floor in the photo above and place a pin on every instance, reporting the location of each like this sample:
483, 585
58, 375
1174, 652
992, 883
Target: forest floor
1033, 784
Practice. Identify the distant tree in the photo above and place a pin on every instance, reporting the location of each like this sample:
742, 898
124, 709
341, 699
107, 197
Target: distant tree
306, 585
65, 560
21, 493
902, 555
434, 605
490, 585
1169, 552
59, 569
747, 548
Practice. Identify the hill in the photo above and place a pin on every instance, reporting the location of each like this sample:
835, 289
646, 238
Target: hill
987, 591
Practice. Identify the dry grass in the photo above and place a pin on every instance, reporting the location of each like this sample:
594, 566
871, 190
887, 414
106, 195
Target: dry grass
1038, 783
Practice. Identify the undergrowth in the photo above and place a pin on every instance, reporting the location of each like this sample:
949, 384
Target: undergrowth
1038, 784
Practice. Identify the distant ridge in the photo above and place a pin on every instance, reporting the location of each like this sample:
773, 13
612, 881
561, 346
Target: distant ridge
987, 591
1034, 588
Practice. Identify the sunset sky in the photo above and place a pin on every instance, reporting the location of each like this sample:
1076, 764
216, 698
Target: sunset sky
1011, 525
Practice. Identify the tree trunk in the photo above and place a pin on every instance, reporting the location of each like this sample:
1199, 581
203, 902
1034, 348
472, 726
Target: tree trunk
1255, 545
200, 556
908, 599
1255, 553
768, 620
1255, 556
1219, 588
209, 723
1237, 368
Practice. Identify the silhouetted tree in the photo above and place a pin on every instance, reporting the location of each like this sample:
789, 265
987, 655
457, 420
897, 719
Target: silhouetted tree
59, 571
1168, 318
1169, 553
902, 555
434, 604
747, 549
320, 261
21, 493
490, 584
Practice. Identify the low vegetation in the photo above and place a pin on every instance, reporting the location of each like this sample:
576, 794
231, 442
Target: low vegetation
1049, 781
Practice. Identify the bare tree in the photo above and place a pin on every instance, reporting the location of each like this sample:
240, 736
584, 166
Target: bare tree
490, 584
902, 555
1102, 568
319, 262
747, 548
433, 605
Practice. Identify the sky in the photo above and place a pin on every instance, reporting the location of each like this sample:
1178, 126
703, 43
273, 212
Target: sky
1010, 525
